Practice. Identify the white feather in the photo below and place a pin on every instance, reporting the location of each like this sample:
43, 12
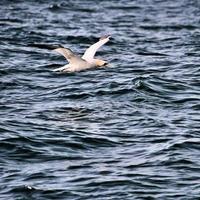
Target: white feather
90, 52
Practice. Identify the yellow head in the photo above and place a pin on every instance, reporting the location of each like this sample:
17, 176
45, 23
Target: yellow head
100, 63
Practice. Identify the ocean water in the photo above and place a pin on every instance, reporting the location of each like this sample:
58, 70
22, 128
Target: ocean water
128, 131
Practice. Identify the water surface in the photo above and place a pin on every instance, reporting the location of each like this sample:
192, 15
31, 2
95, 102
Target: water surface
129, 131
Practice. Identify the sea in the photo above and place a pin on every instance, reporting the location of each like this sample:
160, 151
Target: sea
128, 131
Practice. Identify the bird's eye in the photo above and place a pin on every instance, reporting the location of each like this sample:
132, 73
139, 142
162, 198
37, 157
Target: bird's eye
105, 64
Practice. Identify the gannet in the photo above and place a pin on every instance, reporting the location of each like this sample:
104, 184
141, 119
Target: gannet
77, 63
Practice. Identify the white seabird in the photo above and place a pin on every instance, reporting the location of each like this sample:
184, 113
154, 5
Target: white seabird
77, 63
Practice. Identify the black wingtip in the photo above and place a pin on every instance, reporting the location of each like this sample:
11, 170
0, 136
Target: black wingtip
105, 36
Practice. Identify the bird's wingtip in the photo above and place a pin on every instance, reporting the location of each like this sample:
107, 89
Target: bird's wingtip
105, 37
55, 47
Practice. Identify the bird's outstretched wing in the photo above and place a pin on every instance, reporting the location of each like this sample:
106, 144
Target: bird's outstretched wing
69, 55
90, 52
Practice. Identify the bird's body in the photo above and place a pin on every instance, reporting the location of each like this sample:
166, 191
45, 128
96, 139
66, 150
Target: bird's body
87, 61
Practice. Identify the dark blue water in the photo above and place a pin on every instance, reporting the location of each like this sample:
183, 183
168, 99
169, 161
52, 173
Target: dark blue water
128, 131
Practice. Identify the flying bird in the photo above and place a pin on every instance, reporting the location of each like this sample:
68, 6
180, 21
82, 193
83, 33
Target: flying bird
87, 61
